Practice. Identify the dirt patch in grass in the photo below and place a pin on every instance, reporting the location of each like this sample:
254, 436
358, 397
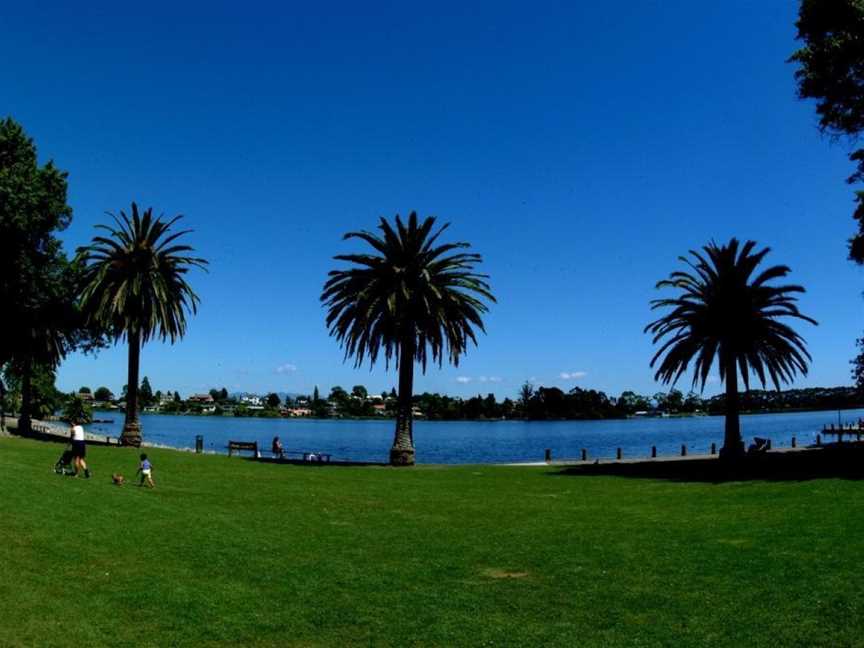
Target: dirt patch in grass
503, 573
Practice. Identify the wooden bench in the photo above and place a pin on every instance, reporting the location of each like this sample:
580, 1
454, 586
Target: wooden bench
319, 457
237, 446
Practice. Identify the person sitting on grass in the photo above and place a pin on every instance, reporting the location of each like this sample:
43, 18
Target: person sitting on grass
146, 470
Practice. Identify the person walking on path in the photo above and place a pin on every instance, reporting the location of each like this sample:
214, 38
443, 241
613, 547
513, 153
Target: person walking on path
79, 449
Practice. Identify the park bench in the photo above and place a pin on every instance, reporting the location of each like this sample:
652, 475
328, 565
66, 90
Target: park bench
237, 446
320, 457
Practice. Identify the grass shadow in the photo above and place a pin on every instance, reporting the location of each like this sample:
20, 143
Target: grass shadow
837, 460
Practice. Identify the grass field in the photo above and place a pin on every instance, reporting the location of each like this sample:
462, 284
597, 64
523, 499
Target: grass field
227, 551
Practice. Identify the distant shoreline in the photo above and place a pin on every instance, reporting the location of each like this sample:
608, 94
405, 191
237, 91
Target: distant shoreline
121, 413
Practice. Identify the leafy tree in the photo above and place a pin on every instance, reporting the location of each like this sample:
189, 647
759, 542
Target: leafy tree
38, 284
76, 410
103, 394
674, 400
722, 311
145, 393
214, 394
337, 394
45, 398
84, 390
359, 391
223, 394
177, 398
410, 299
273, 401
858, 366
626, 402
136, 288
157, 397
526, 391
692, 403
831, 70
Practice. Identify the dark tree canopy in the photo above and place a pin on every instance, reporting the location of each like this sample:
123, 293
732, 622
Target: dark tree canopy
831, 71
103, 394
38, 284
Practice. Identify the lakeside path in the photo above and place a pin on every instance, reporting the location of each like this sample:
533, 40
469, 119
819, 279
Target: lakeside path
648, 460
57, 431
824, 460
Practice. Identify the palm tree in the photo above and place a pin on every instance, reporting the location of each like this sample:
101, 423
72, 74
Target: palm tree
136, 289
722, 311
412, 299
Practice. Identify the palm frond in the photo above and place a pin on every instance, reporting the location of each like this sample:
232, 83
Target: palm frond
135, 277
722, 313
407, 287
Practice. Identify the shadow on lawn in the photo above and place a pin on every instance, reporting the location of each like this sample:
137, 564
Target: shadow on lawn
844, 461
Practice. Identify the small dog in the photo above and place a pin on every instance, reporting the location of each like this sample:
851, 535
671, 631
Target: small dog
118, 479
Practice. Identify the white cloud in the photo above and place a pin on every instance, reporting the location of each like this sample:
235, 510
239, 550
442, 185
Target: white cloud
285, 368
572, 375
480, 379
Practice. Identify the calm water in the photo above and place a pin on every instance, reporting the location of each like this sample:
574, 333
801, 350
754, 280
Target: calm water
474, 442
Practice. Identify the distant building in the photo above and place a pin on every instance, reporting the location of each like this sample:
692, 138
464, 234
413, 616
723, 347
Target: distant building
380, 409
299, 411
252, 400
85, 396
200, 398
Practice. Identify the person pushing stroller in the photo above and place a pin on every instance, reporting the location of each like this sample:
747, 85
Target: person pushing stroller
79, 449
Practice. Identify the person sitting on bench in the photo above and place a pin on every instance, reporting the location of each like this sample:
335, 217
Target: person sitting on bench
759, 445
278, 451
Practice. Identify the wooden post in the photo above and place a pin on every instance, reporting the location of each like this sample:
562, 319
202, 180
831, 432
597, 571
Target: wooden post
199, 444
794, 442
818, 439
618, 454
683, 450
653, 452
713, 448
584, 454
548, 455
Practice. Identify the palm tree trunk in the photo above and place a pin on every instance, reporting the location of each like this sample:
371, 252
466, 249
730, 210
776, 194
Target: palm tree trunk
131, 434
24, 421
2, 406
733, 446
402, 452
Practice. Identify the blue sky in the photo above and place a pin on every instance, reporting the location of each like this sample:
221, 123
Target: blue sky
581, 147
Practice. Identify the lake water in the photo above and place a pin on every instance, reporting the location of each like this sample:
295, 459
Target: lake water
454, 442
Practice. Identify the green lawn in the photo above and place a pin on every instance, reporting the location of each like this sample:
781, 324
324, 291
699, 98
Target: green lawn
227, 551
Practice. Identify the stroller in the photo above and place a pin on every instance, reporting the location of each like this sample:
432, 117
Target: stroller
64, 463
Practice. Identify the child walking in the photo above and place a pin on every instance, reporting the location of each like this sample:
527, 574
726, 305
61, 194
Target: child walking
146, 470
